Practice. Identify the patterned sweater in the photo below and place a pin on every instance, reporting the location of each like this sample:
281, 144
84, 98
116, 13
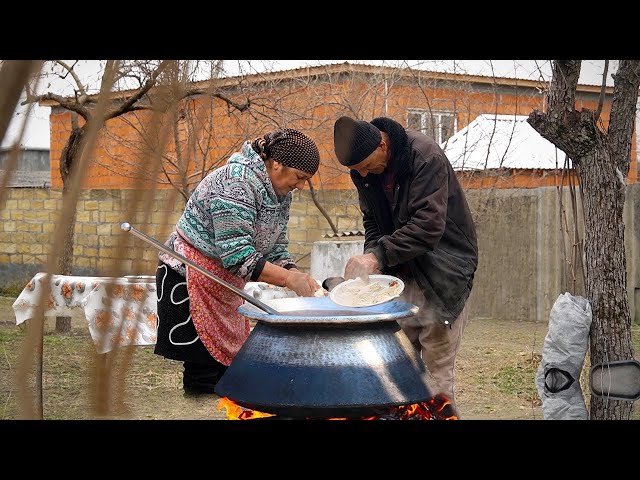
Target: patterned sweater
234, 216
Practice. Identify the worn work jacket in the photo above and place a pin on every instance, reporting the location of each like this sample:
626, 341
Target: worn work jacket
429, 227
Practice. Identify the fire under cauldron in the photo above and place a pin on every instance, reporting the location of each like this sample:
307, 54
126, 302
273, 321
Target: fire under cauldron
319, 360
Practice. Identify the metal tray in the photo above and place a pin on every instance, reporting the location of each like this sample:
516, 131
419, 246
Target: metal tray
140, 278
619, 380
321, 310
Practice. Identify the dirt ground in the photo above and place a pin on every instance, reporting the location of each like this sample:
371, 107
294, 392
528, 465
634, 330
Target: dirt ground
495, 376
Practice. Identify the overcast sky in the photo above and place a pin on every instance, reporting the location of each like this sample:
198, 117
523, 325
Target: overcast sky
37, 133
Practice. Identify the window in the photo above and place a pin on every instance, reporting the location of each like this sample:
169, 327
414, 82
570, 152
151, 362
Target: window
438, 125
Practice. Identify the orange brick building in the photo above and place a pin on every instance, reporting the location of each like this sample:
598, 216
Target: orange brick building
310, 99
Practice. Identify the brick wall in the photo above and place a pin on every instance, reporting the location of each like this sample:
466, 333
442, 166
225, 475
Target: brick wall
30, 217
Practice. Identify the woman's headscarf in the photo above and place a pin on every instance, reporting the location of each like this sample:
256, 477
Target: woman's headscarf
289, 147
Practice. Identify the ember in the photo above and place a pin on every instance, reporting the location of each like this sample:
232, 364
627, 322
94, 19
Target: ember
236, 412
436, 408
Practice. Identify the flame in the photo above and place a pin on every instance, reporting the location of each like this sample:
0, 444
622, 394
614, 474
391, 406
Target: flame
236, 412
437, 408
441, 405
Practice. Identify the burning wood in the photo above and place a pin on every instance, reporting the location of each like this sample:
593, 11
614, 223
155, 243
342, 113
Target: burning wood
236, 412
436, 408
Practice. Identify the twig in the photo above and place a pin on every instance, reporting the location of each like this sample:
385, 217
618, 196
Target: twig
6, 403
4, 350
4, 410
321, 208
303, 256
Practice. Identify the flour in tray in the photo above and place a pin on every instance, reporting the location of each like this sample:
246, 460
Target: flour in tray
358, 293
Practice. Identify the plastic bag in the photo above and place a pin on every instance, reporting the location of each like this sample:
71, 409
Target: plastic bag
563, 353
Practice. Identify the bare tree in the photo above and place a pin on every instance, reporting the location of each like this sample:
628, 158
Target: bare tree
601, 156
195, 144
83, 105
199, 143
300, 100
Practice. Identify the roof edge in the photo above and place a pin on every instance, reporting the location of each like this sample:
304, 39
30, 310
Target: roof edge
203, 86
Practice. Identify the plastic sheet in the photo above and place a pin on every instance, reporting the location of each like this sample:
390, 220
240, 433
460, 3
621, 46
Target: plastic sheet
563, 353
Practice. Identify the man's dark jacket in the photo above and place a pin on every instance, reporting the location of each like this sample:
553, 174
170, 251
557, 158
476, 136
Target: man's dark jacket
429, 227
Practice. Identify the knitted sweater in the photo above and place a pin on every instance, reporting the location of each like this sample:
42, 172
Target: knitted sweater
234, 216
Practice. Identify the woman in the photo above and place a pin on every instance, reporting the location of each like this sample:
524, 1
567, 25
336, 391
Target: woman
235, 226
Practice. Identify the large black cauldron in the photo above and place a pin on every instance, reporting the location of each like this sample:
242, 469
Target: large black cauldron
319, 360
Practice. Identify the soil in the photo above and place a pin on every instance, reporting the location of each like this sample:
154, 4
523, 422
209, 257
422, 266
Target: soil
495, 375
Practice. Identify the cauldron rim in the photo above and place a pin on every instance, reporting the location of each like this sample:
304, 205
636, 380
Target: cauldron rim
325, 311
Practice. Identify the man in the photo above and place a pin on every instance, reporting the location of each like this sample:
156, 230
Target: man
418, 227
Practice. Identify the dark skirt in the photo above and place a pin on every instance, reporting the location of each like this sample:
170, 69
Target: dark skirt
177, 337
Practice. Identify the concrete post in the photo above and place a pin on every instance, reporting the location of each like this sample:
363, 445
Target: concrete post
328, 258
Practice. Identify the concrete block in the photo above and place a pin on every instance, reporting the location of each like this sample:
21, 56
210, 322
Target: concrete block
329, 257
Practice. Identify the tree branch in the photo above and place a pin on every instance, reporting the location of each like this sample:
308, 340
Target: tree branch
129, 102
603, 91
623, 107
237, 106
65, 103
564, 81
83, 92
573, 132
574, 135
191, 92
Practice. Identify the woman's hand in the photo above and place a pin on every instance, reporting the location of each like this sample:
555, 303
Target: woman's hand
302, 283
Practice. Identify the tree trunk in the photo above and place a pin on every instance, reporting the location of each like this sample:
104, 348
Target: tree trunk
603, 191
65, 264
70, 155
602, 163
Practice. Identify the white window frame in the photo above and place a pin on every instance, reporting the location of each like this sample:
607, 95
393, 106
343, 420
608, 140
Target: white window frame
437, 118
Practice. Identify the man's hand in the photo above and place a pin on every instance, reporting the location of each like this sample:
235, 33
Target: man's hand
361, 266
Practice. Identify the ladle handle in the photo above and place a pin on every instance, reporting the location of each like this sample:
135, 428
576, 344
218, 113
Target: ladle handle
262, 306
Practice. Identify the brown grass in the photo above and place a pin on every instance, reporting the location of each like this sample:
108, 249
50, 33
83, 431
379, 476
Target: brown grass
495, 375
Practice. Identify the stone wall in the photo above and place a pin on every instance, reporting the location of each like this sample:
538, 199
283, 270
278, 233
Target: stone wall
522, 267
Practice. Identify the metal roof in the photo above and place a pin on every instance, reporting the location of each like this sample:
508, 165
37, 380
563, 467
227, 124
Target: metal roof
501, 141
29, 178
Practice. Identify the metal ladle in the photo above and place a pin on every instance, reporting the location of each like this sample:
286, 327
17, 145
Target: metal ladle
262, 306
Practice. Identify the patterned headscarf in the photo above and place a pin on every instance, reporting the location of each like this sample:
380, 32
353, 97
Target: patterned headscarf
289, 147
